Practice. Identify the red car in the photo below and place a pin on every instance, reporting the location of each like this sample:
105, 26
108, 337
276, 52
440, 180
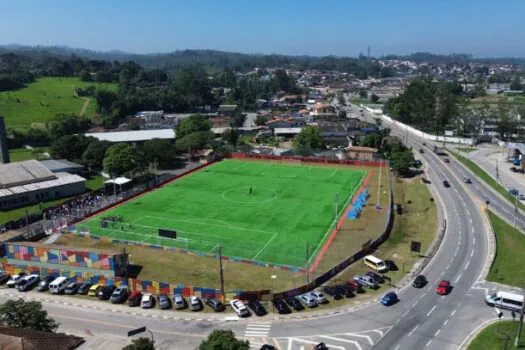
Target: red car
443, 287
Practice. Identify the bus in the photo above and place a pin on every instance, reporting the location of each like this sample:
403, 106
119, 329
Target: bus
375, 263
505, 300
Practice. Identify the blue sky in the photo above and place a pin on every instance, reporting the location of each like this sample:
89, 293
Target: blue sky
486, 28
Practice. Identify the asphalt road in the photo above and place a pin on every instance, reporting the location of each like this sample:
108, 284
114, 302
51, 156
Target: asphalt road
421, 319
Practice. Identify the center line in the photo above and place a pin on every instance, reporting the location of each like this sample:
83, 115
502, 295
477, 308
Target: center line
435, 334
453, 312
457, 279
431, 310
413, 330
466, 266
428, 344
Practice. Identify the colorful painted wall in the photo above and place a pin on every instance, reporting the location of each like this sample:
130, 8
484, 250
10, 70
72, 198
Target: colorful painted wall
53, 255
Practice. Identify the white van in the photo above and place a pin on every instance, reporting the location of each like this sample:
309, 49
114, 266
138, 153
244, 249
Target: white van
58, 285
375, 263
505, 300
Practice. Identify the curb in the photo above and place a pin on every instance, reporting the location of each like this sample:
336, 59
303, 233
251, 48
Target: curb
466, 342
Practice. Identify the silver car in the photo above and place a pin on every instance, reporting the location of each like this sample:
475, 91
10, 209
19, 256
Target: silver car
307, 300
179, 301
195, 303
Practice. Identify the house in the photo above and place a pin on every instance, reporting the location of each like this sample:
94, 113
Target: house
28, 339
62, 166
291, 99
227, 110
360, 153
322, 108
220, 122
285, 123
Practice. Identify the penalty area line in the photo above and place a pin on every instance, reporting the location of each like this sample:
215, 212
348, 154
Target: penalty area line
266, 245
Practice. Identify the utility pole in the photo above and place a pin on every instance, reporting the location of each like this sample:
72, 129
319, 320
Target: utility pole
379, 183
520, 324
515, 210
221, 275
497, 172
306, 263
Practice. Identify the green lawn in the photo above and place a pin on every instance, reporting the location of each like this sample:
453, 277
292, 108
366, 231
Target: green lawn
509, 265
497, 336
42, 100
95, 182
290, 205
483, 175
20, 154
13, 214
467, 149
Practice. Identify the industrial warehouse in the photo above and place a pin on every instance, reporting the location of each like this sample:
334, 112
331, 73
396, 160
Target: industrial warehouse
27, 182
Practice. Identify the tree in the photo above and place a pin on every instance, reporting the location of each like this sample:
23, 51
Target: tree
308, 139
105, 100
223, 340
515, 84
193, 123
231, 136
140, 344
401, 160
67, 125
158, 152
194, 141
85, 76
363, 93
70, 147
374, 98
93, 156
342, 114
260, 120
121, 159
22, 314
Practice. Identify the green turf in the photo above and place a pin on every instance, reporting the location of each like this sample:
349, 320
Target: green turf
292, 204
42, 100
498, 336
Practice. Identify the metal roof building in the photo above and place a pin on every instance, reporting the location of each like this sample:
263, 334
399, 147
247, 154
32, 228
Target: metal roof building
134, 136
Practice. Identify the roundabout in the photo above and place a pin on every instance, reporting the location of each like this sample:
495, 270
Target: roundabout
249, 195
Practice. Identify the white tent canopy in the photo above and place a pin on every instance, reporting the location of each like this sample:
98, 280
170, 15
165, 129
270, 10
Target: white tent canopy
119, 181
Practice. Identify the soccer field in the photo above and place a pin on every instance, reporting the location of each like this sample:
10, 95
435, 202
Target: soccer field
289, 205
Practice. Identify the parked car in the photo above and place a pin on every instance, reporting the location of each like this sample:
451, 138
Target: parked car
119, 295
268, 347
179, 302
28, 282
356, 287
257, 307
4, 278
43, 285
84, 288
72, 288
105, 292
366, 281
513, 192
134, 298
345, 291
375, 276
308, 300
446, 183
521, 197
147, 301
164, 302
195, 303
294, 304
240, 309
443, 287
319, 297
420, 281
93, 290
391, 265
389, 299
215, 304
333, 291
281, 306
14, 280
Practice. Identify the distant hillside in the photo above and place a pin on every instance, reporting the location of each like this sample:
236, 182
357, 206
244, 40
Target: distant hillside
459, 58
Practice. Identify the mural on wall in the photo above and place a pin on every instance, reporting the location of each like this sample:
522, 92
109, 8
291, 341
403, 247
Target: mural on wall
17, 251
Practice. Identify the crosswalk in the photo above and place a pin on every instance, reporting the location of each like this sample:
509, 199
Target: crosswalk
341, 341
257, 333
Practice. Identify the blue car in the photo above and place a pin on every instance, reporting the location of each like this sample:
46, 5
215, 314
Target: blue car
389, 299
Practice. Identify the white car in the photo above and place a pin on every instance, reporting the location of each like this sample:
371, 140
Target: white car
195, 303
307, 300
147, 301
14, 279
319, 296
239, 307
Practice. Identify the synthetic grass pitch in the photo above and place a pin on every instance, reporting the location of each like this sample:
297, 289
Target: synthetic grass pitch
290, 205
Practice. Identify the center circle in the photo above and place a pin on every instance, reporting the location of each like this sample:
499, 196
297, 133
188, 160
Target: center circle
247, 195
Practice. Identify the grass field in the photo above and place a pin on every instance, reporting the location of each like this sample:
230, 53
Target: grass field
509, 264
291, 205
42, 100
21, 154
497, 336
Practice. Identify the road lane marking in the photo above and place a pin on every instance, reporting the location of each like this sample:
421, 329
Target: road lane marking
431, 310
466, 266
369, 338
474, 240
457, 279
397, 347
428, 344
453, 313
472, 253
328, 345
445, 323
405, 313
437, 332
413, 330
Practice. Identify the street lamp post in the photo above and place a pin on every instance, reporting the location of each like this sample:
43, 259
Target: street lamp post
273, 287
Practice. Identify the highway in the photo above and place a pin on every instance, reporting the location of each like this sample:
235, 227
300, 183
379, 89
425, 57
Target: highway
421, 320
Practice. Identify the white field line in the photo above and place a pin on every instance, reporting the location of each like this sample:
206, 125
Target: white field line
266, 245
